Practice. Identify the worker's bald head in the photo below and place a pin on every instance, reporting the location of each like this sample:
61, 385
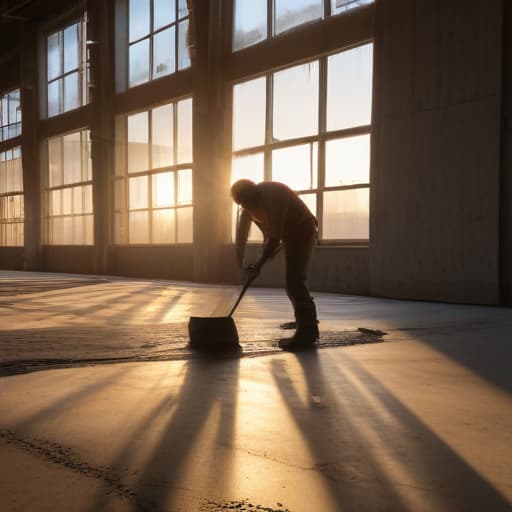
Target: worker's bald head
244, 192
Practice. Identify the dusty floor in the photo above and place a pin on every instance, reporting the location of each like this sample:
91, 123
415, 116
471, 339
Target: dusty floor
419, 419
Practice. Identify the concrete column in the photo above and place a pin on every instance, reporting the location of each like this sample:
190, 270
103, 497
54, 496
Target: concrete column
212, 131
30, 147
506, 164
100, 34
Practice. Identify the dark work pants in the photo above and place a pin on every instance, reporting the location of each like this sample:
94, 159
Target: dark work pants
298, 252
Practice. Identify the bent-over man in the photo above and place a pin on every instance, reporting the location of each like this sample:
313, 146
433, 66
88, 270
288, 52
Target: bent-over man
283, 217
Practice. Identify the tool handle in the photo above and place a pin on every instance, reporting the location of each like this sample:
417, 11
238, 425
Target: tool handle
244, 289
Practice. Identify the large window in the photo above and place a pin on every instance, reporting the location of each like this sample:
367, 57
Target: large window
10, 115
66, 69
253, 25
309, 126
68, 191
11, 198
157, 39
153, 180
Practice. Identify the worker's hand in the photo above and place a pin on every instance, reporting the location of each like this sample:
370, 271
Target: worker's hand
252, 271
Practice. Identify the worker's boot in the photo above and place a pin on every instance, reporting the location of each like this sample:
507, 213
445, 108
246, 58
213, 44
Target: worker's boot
305, 337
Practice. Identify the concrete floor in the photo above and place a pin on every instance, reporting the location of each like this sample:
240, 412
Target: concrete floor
417, 420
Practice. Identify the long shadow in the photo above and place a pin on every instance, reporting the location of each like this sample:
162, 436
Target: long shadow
369, 461
126, 455
484, 350
71, 400
209, 389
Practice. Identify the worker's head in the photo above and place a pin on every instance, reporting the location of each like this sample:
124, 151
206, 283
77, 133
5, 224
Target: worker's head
244, 192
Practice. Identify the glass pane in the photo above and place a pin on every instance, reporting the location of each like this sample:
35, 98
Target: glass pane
138, 138
294, 166
163, 189
296, 102
78, 201
138, 227
89, 230
249, 100
71, 48
71, 92
164, 226
54, 98
162, 136
163, 53
67, 231
139, 63
78, 230
185, 131
55, 206
72, 158
346, 214
164, 13
291, 13
139, 19
67, 201
249, 167
14, 103
185, 186
250, 25
55, 162
310, 202
5, 110
138, 193
54, 61
86, 155
349, 88
347, 161
182, 8
185, 225
87, 196
183, 51
338, 6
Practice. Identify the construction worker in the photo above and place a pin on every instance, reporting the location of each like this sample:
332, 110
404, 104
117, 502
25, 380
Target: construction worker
281, 216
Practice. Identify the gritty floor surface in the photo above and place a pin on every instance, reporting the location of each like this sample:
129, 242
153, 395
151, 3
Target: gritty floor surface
406, 406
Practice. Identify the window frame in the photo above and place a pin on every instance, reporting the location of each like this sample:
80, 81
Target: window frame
46, 216
127, 44
18, 221
321, 138
326, 10
79, 18
123, 176
16, 124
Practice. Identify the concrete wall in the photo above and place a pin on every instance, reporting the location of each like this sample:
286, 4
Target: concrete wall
506, 169
159, 261
11, 258
435, 150
333, 269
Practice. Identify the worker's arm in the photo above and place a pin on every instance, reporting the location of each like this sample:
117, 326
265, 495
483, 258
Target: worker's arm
242, 234
270, 248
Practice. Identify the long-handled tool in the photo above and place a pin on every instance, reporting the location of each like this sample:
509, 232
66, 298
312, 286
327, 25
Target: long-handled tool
216, 331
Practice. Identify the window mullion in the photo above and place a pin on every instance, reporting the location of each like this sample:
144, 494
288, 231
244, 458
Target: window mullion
270, 18
267, 157
175, 162
149, 174
322, 123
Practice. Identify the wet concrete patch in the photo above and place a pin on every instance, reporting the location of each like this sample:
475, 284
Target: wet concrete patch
39, 349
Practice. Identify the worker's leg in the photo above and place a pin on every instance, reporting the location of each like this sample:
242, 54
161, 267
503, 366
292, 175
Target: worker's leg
298, 257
